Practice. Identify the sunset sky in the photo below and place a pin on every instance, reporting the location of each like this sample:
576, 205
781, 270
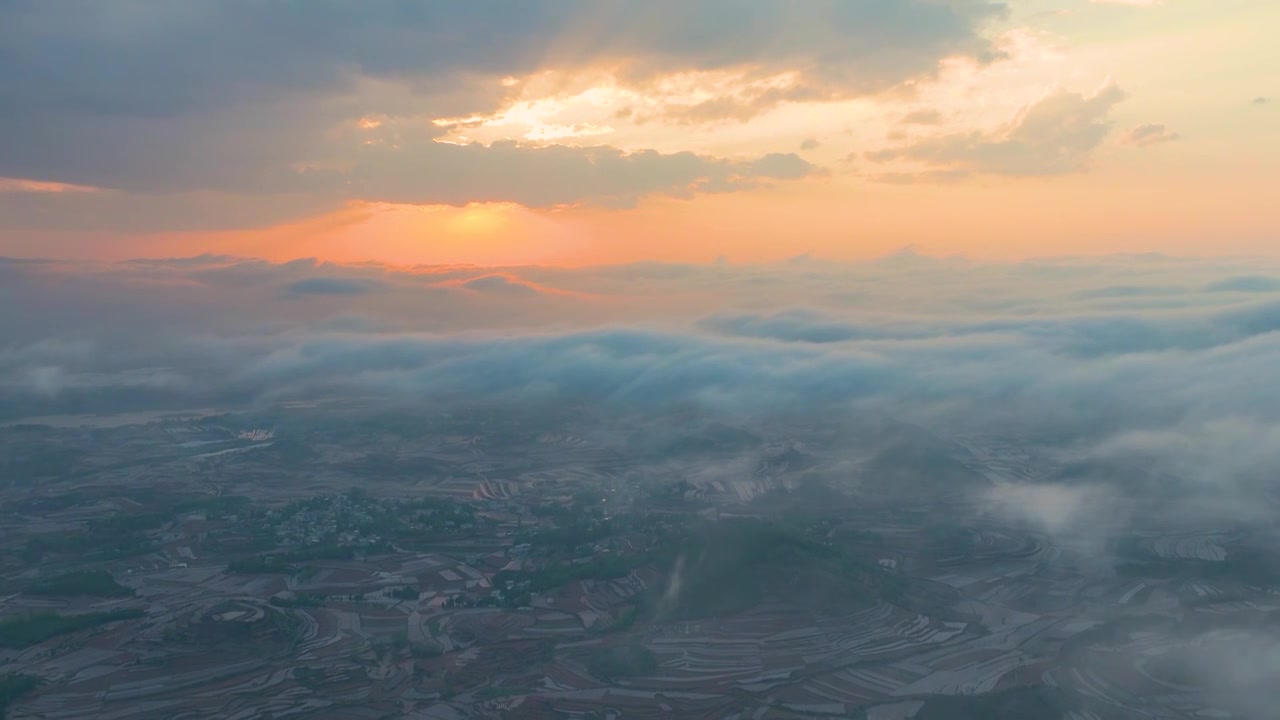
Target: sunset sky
602, 131
1055, 217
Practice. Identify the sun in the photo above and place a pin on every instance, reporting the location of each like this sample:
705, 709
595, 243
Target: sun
480, 219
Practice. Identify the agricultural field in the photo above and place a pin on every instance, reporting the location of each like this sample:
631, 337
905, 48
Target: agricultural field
366, 566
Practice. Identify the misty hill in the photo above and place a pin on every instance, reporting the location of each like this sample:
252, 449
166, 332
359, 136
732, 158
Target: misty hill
791, 459
916, 463
1126, 476
687, 439
723, 568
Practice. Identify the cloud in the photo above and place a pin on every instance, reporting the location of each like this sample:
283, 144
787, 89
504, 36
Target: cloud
1104, 417
241, 103
418, 170
1245, 284
500, 284
809, 144
921, 117
1134, 3
988, 345
1260, 100
18, 185
1222, 454
793, 326
1130, 291
504, 284
329, 286
1053, 509
1052, 136
938, 177
1159, 403
1149, 134
552, 175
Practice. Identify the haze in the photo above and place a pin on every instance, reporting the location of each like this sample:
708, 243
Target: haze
882, 359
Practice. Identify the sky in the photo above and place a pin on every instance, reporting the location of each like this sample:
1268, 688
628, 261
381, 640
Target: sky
588, 132
1048, 221
1050, 216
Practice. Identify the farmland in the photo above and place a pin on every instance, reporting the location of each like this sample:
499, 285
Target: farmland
492, 567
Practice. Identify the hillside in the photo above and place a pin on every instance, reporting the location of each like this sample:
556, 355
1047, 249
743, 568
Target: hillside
723, 568
916, 464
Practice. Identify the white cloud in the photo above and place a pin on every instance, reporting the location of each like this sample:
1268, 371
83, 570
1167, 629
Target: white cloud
1052, 136
1149, 134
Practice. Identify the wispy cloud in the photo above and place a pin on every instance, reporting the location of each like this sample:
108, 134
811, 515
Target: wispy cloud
1149, 134
1052, 136
19, 185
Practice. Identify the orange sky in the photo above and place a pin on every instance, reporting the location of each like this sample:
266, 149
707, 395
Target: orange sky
1106, 127
821, 217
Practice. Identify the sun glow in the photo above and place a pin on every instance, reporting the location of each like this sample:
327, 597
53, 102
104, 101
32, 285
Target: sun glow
22, 185
479, 218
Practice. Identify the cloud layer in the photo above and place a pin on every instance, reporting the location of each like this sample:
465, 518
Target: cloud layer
1142, 384
315, 104
1070, 350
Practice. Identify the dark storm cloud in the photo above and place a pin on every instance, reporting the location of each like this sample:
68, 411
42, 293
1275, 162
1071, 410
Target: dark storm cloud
261, 98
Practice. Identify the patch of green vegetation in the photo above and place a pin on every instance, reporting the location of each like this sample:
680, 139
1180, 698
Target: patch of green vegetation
118, 536
1018, 704
404, 593
214, 506
289, 626
37, 462
424, 650
720, 568
519, 586
300, 600
723, 568
625, 621
12, 687
22, 631
309, 677
1246, 566
260, 564
44, 504
493, 693
622, 661
1116, 632
914, 465
322, 551
91, 544
288, 562
83, 582
581, 530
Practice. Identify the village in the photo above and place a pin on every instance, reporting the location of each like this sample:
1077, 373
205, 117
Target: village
546, 575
